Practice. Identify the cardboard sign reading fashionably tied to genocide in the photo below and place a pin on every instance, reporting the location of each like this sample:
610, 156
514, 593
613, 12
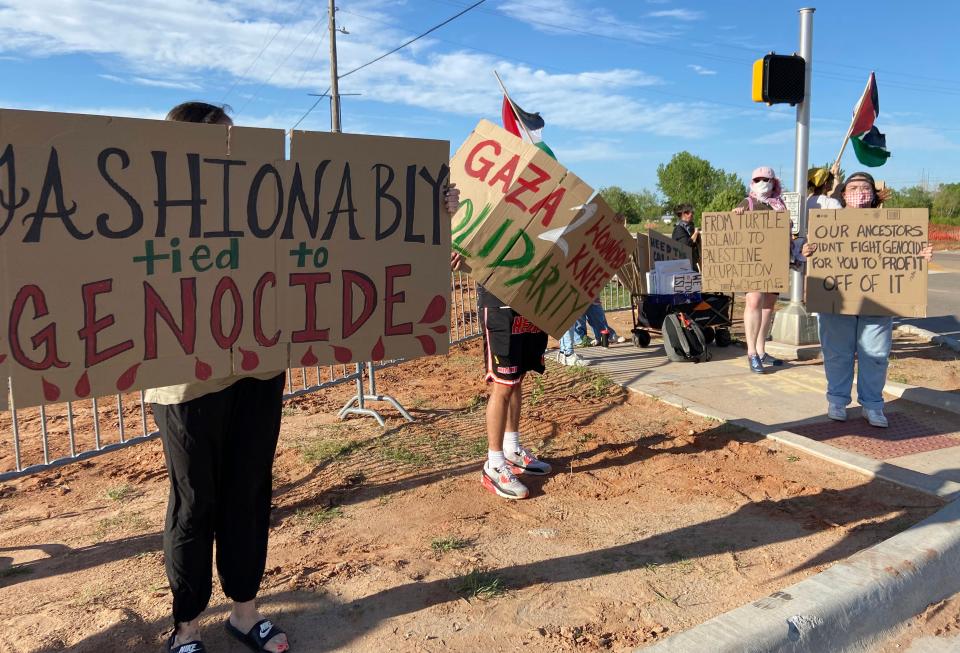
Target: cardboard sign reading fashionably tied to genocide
665, 248
746, 252
142, 253
868, 262
529, 230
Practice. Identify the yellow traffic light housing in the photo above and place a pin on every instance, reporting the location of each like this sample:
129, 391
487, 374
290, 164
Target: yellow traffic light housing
779, 79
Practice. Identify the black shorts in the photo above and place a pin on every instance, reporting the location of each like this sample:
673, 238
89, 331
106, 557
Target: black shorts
512, 346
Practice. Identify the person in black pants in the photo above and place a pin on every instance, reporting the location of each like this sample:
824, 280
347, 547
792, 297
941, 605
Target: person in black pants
219, 439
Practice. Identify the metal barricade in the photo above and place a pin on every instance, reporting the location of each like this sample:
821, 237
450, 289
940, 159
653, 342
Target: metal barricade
37, 439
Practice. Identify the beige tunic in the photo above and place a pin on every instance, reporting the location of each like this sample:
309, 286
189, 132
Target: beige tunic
178, 394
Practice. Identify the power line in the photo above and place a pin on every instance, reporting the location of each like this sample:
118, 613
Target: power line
263, 49
254, 96
414, 39
383, 56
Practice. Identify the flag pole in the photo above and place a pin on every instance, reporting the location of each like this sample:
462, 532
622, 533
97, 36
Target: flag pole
516, 114
856, 112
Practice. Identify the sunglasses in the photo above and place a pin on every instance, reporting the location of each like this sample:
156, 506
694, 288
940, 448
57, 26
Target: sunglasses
759, 179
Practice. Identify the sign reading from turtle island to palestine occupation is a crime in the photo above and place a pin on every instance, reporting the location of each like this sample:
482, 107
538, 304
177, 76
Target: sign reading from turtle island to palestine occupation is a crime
868, 262
529, 230
140, 253
746, 252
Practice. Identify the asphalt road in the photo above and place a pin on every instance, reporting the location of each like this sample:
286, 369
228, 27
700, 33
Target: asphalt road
943, 297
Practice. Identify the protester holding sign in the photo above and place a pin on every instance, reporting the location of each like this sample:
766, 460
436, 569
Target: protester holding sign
866, 339
219, 439
687, 233
764, 195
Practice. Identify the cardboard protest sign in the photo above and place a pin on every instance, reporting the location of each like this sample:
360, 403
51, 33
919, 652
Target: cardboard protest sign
144, 253
633, 273
746, 252
868, 262
527, 231
665, 248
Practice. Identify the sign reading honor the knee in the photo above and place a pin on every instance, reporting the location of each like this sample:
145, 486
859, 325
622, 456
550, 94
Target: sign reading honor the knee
142, 253
527, 231
747, 252
868, 262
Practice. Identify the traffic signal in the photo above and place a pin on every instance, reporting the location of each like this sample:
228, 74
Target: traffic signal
779, 79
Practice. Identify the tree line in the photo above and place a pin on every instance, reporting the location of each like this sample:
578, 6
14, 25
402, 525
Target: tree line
689, 179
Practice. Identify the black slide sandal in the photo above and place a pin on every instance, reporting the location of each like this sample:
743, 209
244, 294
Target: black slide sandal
261, 633
189, 647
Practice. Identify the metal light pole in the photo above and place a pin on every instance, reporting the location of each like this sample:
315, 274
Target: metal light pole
793, 325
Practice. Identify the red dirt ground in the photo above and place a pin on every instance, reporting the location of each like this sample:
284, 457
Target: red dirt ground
383, 540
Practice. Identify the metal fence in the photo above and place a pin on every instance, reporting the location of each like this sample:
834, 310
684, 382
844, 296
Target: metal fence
37, 439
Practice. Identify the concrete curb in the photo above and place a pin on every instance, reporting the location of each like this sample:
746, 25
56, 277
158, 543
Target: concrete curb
847, 607
949, 401
946, 341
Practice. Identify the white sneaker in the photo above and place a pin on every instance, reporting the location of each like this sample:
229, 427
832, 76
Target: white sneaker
594, 342
573, 360
621, 339
837, 412
502, 482
876, 418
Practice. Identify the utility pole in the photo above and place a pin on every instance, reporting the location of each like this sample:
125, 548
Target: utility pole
334, 81
793, 326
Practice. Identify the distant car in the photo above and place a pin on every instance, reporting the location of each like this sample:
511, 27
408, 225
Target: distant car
667, 218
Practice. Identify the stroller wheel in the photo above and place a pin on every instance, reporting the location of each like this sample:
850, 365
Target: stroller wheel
641, 338
723, 337
709, 334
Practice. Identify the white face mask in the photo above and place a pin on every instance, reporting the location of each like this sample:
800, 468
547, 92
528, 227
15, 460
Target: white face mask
761, 187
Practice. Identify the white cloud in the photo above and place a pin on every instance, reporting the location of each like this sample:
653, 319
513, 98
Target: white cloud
679, 14
701, 70
569, 16
211, 44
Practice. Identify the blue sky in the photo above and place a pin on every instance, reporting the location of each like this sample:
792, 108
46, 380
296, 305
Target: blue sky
622, 85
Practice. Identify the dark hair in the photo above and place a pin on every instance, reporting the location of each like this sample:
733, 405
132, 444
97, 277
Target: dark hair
202, 112
682, 208
861, 176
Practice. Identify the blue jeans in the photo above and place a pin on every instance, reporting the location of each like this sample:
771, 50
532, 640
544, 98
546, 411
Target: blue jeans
866, 338
597, 318
568, 339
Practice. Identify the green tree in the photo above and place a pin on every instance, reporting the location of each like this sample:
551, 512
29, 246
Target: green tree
725, 200
914, 197
688, 179
636, 207
946, 202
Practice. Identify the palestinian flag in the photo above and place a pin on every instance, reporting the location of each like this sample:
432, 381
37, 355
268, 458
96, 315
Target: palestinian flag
869, 144
513, 116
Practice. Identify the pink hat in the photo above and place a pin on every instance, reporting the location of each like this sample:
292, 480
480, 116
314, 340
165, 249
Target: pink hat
763, 171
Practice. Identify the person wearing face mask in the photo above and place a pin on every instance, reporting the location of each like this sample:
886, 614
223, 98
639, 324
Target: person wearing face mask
864, 338
758, 313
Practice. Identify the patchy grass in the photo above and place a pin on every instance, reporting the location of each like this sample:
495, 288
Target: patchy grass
121, 492
481, 585
314, 517
538, 391
120, 523
322, 448
403, 455
476, 402
449, 543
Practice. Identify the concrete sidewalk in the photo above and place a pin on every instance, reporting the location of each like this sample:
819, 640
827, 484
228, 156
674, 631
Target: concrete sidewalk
921, 449
858, 601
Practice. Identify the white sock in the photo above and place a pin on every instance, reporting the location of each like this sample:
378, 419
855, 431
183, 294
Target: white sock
511, 441
496, 459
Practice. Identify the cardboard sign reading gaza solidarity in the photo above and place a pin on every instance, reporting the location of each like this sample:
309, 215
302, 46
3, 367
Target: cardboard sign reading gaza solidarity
868, 262
746, 252
143, 253
527, 231
665, 248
